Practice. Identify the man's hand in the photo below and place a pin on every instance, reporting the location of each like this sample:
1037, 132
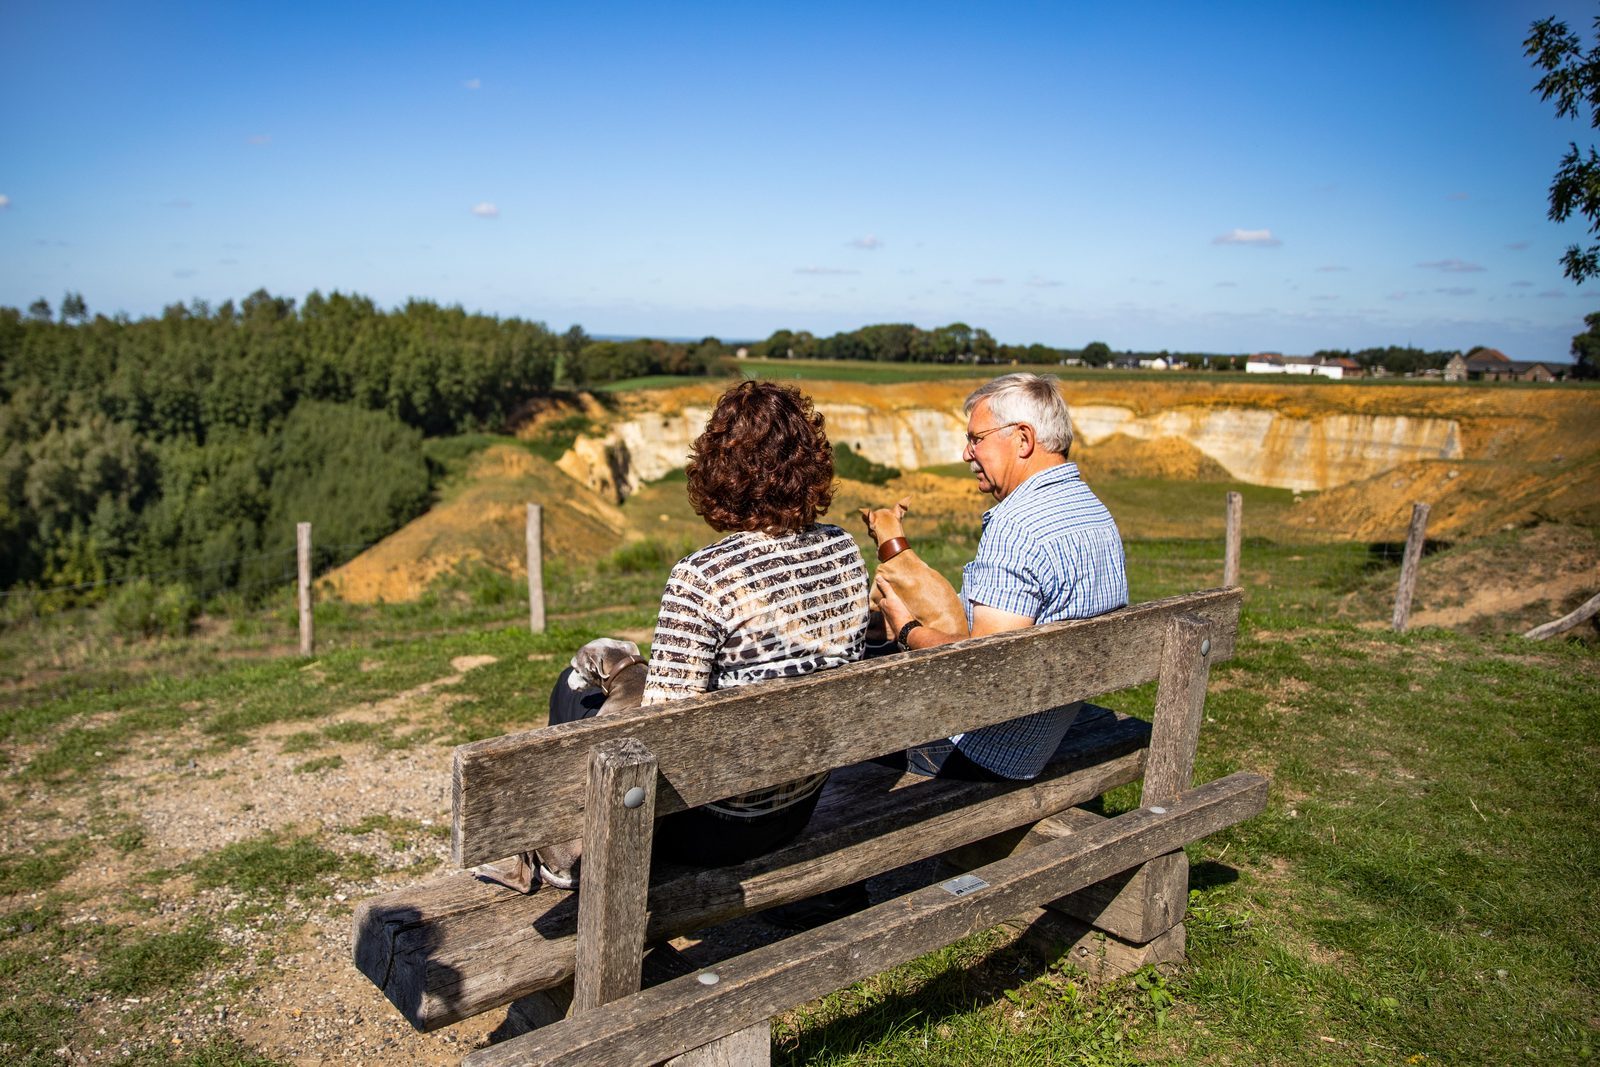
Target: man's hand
895, 612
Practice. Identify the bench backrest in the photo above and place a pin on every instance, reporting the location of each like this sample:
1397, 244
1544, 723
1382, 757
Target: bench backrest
527, 790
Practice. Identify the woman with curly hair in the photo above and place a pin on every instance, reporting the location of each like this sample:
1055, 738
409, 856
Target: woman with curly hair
779, 596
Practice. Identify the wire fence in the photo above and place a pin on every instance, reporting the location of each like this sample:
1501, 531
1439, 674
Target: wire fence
77, 603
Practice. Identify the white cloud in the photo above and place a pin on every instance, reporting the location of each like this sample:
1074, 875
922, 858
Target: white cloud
1457, 290
259, 138
869, 243
5, 201
1518, 246
1044, 283
486, 210
1522, 285
991, 281
824, 270
1552, 294
472, 83
1227, 285
1332, 269
1259, 238
1451, 266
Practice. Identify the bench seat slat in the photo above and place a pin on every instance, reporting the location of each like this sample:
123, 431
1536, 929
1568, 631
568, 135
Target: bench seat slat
452, 948
526, 790
652, 1025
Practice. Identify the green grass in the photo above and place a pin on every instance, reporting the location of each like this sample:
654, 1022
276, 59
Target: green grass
1418, 886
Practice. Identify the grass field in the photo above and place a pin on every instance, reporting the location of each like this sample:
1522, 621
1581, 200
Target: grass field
188, 823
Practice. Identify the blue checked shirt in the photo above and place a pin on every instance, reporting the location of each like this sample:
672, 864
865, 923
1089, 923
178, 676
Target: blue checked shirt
1050, 550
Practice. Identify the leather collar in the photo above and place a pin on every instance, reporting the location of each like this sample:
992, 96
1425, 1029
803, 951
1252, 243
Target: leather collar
892, 548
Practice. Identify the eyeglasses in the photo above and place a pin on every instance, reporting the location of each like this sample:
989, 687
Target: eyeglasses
974, 438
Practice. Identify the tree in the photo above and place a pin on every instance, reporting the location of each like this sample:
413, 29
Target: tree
1097, 353
1586, 348
73, 309
1572, 79
39, 310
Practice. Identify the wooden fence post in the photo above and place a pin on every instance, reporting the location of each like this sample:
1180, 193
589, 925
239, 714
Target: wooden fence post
302, 542
1415, 536
535, 569
1230, 551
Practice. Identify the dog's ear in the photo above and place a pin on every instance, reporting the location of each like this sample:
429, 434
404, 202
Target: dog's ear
866, 517
903, 508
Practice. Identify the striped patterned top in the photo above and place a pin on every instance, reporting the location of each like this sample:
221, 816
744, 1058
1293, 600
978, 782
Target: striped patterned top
1049, 551
753, 607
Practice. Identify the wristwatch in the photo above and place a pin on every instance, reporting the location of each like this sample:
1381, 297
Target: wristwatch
905, 632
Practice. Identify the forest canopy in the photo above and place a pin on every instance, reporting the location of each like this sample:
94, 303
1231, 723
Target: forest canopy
193, 441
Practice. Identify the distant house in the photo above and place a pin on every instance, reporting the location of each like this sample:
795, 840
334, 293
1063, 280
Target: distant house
1125, 363
1492, 365
1317, 366
1340, 367
1157, 363
1264, 363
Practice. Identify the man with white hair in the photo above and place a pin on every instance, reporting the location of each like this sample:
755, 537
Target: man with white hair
1049, 551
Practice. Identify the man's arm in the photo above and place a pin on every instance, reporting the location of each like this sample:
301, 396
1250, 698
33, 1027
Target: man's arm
985, 621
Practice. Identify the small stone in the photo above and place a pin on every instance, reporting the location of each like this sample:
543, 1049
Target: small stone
1502, 974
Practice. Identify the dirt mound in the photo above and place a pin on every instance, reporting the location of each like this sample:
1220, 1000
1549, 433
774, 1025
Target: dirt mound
1466, 499
1506, 584
485, 520
1120, 456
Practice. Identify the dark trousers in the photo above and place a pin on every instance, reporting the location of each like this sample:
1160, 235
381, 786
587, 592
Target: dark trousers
699, 835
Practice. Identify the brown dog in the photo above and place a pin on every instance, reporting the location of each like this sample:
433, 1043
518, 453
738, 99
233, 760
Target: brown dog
617, 669
929, 595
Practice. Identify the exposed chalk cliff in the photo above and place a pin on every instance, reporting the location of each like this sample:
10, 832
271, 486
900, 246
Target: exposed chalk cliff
1254, 445
1267, 448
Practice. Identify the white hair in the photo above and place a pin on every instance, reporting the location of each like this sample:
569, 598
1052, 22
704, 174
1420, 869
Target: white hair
1031, 398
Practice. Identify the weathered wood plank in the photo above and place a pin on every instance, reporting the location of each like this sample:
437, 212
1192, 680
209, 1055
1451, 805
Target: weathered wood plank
1134, 906
750, 1047
685, 1013
720, 744
616, 873
454, 947
1186, 653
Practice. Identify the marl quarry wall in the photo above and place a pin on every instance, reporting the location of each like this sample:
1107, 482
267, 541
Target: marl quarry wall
1254, 445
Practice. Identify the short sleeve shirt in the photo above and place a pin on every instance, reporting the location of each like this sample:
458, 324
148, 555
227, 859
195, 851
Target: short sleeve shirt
1049, 551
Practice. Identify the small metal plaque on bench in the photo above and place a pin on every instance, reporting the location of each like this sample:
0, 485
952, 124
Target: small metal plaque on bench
966, 883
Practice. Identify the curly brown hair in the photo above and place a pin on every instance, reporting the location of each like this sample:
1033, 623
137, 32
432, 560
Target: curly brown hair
763, 461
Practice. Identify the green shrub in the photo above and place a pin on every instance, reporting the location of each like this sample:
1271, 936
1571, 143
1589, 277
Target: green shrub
646, 556
143, 609
848, 463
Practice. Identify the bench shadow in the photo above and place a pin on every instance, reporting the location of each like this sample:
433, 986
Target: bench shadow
1209, 874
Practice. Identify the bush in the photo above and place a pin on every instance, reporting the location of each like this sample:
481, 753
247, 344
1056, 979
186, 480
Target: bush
143, 609
644, 557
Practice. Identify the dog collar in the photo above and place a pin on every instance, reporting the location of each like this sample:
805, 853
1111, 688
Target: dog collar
892, 548
605, 682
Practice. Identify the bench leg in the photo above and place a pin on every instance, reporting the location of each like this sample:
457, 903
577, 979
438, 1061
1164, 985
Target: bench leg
1100, 955
750, 1047
619, 823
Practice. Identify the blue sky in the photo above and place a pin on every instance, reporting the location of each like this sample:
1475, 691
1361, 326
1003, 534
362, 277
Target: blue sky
1224, 177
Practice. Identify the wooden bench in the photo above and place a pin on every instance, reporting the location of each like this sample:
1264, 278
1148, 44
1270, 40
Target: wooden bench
451, 948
